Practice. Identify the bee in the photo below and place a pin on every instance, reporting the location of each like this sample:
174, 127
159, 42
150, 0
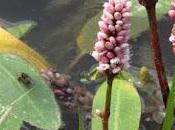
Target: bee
25, 79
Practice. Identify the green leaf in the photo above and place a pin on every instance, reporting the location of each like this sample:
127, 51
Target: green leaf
21, 28
18, 29
11, 123
94, 75
125, 106
87, 36
169, 118
32, 103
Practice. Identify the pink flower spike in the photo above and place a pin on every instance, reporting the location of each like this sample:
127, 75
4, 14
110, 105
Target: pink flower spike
112, 40
111, 28
104, 60
118, 7
124, 45
103, 26
108, 15
110, 55
109, 7
127, 15
103, 67
112, 48
122, 32
128, 4
118, 27
119, 22
109, 45
112, 2
115, 60
99, 46
95, 54
172, 38
117, 15
101, 36
171, 14
107, 20
117, 50
119, 38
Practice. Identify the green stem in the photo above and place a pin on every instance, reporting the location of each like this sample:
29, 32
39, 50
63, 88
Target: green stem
106, 113
169, 117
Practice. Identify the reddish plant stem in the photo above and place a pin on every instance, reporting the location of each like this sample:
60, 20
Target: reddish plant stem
106, 113
151, 11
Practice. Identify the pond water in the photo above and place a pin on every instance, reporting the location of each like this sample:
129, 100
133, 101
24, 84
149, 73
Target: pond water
59, 22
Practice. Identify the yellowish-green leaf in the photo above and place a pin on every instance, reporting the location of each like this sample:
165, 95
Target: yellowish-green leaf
10, 44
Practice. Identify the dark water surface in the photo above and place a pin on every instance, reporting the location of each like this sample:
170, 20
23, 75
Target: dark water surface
59, 22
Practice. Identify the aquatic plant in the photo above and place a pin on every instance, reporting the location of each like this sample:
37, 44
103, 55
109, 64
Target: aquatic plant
112, 49
105, 46
29, 83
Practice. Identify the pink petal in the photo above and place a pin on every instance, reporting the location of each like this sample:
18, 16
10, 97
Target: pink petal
117, 15
104, 60
119, 38
172, 38
108, 15
171, 14
122, 33
107, 20
109, 7
109, 45
115, 60
118, 7
101, 36
118, 27
103, 67
112, 40
127, 15
99, 46
110, 55
95, 54
117, 50
111, 28
103, 26
119, 22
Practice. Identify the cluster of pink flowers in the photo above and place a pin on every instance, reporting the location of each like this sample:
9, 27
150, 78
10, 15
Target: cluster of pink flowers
112, 48
171, 14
